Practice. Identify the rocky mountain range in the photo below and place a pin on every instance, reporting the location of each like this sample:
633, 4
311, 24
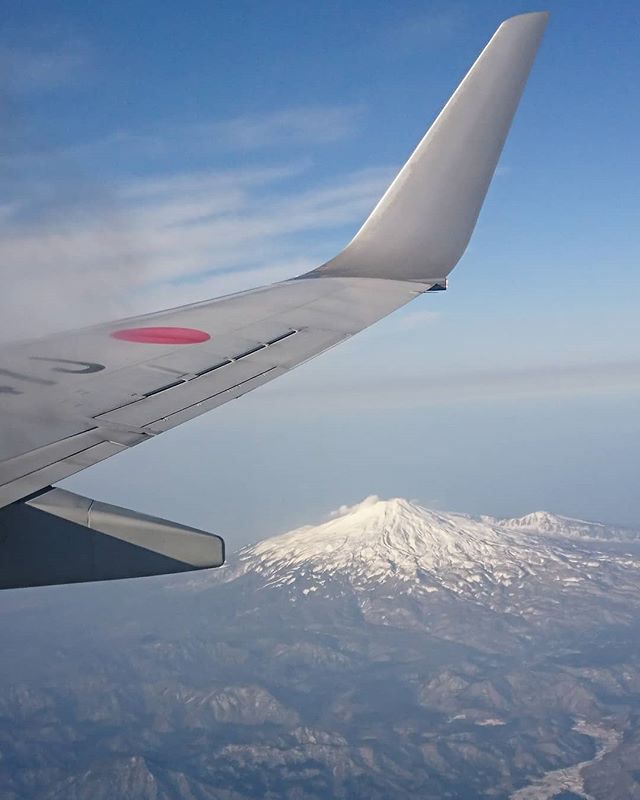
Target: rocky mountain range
388, 652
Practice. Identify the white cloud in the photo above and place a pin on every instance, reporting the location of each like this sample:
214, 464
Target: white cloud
74, 251
342, 510
167, 239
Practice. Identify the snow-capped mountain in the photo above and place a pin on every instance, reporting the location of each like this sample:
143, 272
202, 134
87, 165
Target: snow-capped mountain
567, 527
398, 548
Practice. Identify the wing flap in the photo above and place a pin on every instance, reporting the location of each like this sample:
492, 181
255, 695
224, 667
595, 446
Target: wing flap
186, 393
222, 377
191, 412
31, 482
49, 454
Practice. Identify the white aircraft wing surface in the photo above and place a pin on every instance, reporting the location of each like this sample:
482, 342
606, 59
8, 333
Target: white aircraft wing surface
74, 399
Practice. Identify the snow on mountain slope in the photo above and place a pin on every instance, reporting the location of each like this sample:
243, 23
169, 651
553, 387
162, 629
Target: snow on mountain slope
544, 522
406, 548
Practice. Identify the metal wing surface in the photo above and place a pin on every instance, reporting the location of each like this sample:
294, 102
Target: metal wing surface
75, 399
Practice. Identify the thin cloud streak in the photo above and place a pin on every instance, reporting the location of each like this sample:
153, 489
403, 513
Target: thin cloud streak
423, 30
45, 67
406, 392
75, 252
292, 128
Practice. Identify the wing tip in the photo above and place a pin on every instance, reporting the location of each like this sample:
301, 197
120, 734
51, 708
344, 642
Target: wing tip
422, 225
540, 17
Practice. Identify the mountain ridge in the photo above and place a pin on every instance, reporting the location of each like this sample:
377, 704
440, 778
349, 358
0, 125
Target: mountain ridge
389, 546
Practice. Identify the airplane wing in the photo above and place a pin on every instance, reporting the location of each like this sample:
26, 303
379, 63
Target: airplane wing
74, 399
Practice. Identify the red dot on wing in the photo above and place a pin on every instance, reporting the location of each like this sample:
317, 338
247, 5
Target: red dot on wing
162, 335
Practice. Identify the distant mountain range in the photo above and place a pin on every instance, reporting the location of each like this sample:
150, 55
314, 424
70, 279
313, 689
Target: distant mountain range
388, 652
415, 551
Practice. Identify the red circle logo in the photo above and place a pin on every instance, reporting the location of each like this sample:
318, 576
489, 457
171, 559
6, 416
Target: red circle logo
162, 335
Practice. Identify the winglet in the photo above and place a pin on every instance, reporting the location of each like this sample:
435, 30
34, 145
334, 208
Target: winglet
423, 223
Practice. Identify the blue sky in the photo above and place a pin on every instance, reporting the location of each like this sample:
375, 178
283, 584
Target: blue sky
154, 155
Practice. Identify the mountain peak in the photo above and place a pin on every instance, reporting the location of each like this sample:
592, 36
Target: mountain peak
396, 547
538, 521
400, 543
542, 522
375, 531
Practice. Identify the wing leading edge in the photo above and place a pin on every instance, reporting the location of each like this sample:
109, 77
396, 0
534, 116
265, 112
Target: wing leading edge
75, 399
